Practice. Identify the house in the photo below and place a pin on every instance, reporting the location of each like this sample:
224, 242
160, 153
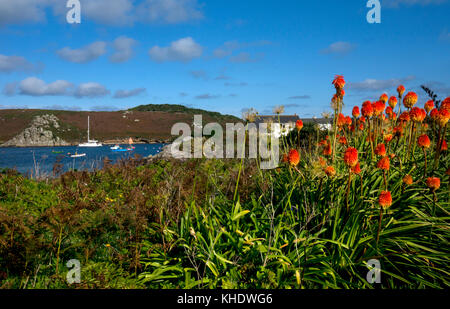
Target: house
287, 123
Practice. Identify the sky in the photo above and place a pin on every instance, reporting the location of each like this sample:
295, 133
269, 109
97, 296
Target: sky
219, 55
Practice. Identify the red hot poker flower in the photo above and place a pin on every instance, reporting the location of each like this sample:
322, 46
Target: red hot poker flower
380, 150
392, 102
355, 112
339, 82
429, 106
367, 109
384, 164
299, 125
294, 157
407, 180
356, 169
351, 157
384, 97
330, 171
433, 183
385, 199
424, 141
401, 90
410, 99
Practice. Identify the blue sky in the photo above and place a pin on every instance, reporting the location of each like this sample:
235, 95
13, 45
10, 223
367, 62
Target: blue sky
221, 55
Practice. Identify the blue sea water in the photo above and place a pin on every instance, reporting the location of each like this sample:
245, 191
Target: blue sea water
29, 159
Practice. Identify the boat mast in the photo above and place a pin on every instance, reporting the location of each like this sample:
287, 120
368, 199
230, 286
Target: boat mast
88, 129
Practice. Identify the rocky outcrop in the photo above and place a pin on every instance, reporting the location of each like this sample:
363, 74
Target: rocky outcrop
40, 133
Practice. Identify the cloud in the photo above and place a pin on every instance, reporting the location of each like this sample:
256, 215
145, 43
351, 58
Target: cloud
91, 90
245, 57
169, 11
84, 54
123, 49
242, 84
10, 89
183, 50
398, 3
57, 107
300, 97
104, 108
22, 11
207, 96
222, 77
36, 87
199, 74
109, 12
438, 88
183, 94
340, 48
378, 85
121, 94
229, 47
10, 64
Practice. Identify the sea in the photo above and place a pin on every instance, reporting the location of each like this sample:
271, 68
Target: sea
39, 161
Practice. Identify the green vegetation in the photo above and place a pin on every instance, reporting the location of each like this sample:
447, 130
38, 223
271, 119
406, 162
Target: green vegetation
174, 108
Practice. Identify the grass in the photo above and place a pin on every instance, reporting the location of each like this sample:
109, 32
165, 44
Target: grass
205, 224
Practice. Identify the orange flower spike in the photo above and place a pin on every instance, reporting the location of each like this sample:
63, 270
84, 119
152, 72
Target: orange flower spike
429, 106
405, 117
446, 104
299, 125
392, 102
433, 183
380, 150
401, 91
294, 157
285, 158
330, 171
385, 199
424, 141
388, 137
355, 112
417, 114
327, 151
341, 121
378, 107
351, 157
444, 146
410, 99
356, 169
384, 97
384, 164
339, 82
367, 109
389, 111
434, 114
407, 180
443, 117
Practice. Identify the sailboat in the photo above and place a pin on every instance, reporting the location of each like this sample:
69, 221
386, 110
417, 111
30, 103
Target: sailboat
130, 142
90, 143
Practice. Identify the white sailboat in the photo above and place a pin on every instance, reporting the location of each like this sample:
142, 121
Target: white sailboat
90, 143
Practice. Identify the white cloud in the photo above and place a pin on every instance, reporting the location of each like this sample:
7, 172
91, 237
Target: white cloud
22, 11
183, 50
108, 12
123, 47
378, 85
10, 89
36, 87
121, 94
340, 48
10, 64
229, 47
169, 11
91, 90
397, 3
207, 96
84, 54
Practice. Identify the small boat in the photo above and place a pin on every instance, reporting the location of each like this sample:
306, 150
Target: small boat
116, 147
77, 155
120, 150
90, 143
54, 151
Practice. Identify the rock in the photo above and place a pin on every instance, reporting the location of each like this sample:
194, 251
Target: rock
38, 134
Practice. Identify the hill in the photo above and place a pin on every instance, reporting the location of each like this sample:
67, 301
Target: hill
146, 123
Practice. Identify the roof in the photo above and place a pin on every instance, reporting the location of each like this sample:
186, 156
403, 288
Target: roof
276, 118
289, 118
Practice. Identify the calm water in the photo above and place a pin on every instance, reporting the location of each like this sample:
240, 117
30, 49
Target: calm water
23, 161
